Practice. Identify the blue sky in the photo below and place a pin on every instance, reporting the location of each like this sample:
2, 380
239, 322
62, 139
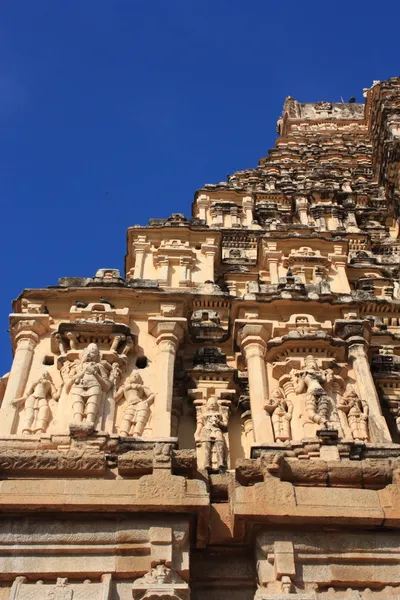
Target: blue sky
115, 111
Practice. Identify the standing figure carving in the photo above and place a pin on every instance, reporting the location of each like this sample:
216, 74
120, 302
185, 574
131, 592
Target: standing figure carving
138, 401
36, 404
211, 425
356, 411
87, 381
310, 380
281, 411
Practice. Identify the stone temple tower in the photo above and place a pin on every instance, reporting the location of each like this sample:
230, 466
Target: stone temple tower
223, 421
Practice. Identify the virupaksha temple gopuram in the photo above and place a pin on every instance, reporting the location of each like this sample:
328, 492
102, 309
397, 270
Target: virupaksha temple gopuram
222, 422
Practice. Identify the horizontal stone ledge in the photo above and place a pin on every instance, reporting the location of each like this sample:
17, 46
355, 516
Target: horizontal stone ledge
150, 493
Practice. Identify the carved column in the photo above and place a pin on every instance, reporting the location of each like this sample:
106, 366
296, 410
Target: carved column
302, 210
357, 333
168, 334
252, 340
248, 205
273, 257
209, 249
140, 246
340, 263
203, 203
27, 332
185, 265
163, 266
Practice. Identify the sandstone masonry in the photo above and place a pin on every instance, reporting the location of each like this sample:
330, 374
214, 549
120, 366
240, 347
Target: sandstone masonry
223, 422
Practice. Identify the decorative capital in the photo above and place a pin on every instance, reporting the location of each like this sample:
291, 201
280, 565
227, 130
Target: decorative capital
253, 332
23, 327
352, 331
170, 329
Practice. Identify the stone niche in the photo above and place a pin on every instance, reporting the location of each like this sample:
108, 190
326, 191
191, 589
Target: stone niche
327, 565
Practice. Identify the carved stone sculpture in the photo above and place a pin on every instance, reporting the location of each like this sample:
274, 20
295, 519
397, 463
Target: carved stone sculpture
281, 411
137, 409
87, 381
161, 582
356, 411
36, 404
211, 425
310, 380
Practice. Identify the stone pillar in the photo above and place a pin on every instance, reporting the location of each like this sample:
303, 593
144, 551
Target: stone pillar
209, 248
27, 333
163, 265
186, 271
248, 206
203, 203
357, 334
302, 210
340, 263
273, 258
140, 245
234, 212
168, 334
367, 391
252, 340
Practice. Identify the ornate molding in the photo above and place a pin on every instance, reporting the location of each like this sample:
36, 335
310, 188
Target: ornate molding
52, 462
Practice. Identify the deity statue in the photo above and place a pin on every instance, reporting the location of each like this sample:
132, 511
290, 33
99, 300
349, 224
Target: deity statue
211, 425
138, 401
87, 380
356, 411
310, 379
36, 404
281, 411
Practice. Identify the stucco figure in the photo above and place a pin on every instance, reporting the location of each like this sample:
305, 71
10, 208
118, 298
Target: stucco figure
36, 404
87, 381
356, 411
281, 411
138, 400
310, 380
211, 425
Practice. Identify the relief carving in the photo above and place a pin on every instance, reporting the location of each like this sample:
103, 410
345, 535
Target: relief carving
86, 382
280, 410
356, 413
310, 380
31, 461
60, 591
138, 400
37, 412
160, 583
212, 423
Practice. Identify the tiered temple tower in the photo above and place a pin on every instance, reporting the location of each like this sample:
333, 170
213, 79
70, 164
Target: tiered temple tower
223, 422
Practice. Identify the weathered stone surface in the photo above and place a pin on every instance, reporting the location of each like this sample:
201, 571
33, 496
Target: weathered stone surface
232, 397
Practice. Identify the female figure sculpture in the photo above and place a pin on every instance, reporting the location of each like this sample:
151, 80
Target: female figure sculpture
211, 425
281, 411
138, 401
357, 411
36, 404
